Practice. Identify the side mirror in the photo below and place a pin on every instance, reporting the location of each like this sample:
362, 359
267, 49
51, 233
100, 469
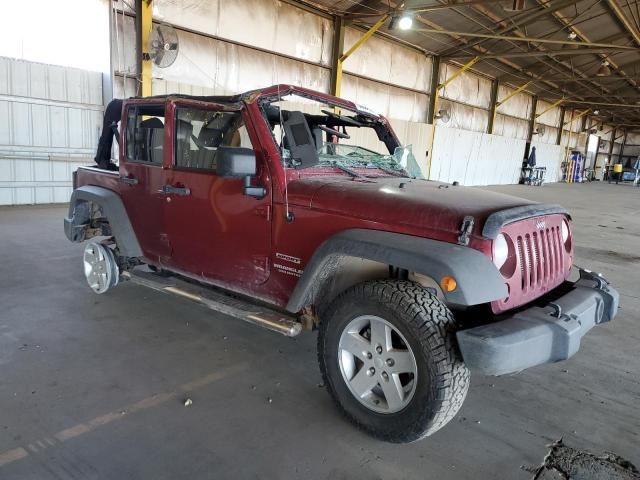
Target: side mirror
235, 162
238, 162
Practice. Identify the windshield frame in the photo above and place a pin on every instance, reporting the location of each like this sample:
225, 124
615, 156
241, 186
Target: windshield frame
378, 123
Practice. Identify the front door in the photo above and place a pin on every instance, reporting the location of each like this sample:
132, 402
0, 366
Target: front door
142, 176
216, 232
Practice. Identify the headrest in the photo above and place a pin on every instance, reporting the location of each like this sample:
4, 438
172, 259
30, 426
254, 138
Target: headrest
153, 122
210, 137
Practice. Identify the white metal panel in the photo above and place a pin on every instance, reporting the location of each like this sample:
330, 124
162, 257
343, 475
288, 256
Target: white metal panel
386, 61
392, 102
551, 157
473, 158
50, 119
466, 88
517, 106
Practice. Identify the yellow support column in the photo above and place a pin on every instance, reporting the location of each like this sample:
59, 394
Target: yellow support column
146, 26
348, 53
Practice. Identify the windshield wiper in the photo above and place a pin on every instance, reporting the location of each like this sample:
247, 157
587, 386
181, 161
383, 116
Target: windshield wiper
396, 173
345, 169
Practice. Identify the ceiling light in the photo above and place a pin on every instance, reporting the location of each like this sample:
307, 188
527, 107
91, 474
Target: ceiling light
573, 35
604, 70
405, 22
596, 112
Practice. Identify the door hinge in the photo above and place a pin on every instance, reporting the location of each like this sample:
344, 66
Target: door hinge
264, 211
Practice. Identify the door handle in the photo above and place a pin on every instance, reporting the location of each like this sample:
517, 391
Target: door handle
129, 180
166, 189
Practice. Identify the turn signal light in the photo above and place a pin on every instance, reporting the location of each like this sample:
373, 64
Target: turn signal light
448, 284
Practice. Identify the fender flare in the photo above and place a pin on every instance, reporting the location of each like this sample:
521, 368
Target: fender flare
113, 209
478, 279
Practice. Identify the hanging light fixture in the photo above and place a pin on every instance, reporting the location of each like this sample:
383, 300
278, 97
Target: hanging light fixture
573, 35
405, 22
596, 112
604, 70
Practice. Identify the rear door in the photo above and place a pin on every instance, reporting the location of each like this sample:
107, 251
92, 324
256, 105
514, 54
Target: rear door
142, 176
216, 232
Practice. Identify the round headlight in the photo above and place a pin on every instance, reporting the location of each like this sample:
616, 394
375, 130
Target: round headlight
564, 229
500, 251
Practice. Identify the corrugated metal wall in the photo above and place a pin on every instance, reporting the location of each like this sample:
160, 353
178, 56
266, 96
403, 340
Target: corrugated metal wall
219, 59
50, 118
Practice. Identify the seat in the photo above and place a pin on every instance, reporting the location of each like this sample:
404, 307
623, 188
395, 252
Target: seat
207, 142
184, 156
151, 135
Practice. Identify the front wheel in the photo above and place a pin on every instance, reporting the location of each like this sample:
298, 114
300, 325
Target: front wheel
100, 267
389, 359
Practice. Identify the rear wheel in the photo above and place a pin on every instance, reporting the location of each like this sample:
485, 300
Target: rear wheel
100, 267
389, 359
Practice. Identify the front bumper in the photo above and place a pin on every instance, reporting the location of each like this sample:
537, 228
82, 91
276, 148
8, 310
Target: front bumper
540, 334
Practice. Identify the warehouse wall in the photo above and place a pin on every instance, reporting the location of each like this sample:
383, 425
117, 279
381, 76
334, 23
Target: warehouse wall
280, 43
217, 58
50, 118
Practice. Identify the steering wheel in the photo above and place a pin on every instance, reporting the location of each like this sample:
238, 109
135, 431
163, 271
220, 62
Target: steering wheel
331, 131
345, 119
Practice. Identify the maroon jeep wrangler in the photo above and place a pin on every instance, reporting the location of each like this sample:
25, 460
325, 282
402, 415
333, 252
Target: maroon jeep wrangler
292, 209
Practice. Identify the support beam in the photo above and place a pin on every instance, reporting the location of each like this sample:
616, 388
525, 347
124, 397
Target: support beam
624, 20
573, 119
512, 38
435, 79
551, 107
518, 20
492, 117
624, 144
336, 51
436, 95
354, 47
138, 25
542, 53
532, 118
493, 105
611, 144
561, 128
144, 24
603, 104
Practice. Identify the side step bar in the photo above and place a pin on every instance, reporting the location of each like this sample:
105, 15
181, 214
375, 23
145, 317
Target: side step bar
234, 307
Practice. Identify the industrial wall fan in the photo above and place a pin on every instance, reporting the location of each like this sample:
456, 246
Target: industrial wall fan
163, 45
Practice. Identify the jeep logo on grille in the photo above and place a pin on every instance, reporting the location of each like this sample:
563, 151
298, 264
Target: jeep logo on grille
540, 224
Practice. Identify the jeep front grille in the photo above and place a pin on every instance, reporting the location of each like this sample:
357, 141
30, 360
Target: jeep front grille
542, 260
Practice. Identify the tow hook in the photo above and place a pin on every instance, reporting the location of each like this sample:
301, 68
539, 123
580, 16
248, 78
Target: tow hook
465, 230
601, 282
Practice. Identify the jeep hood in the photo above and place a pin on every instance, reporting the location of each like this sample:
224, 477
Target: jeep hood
415, 203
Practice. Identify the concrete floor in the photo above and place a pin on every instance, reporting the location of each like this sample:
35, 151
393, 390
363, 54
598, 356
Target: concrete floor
93, 386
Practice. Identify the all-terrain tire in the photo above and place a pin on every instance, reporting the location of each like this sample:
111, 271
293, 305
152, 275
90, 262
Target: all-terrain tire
429, 329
